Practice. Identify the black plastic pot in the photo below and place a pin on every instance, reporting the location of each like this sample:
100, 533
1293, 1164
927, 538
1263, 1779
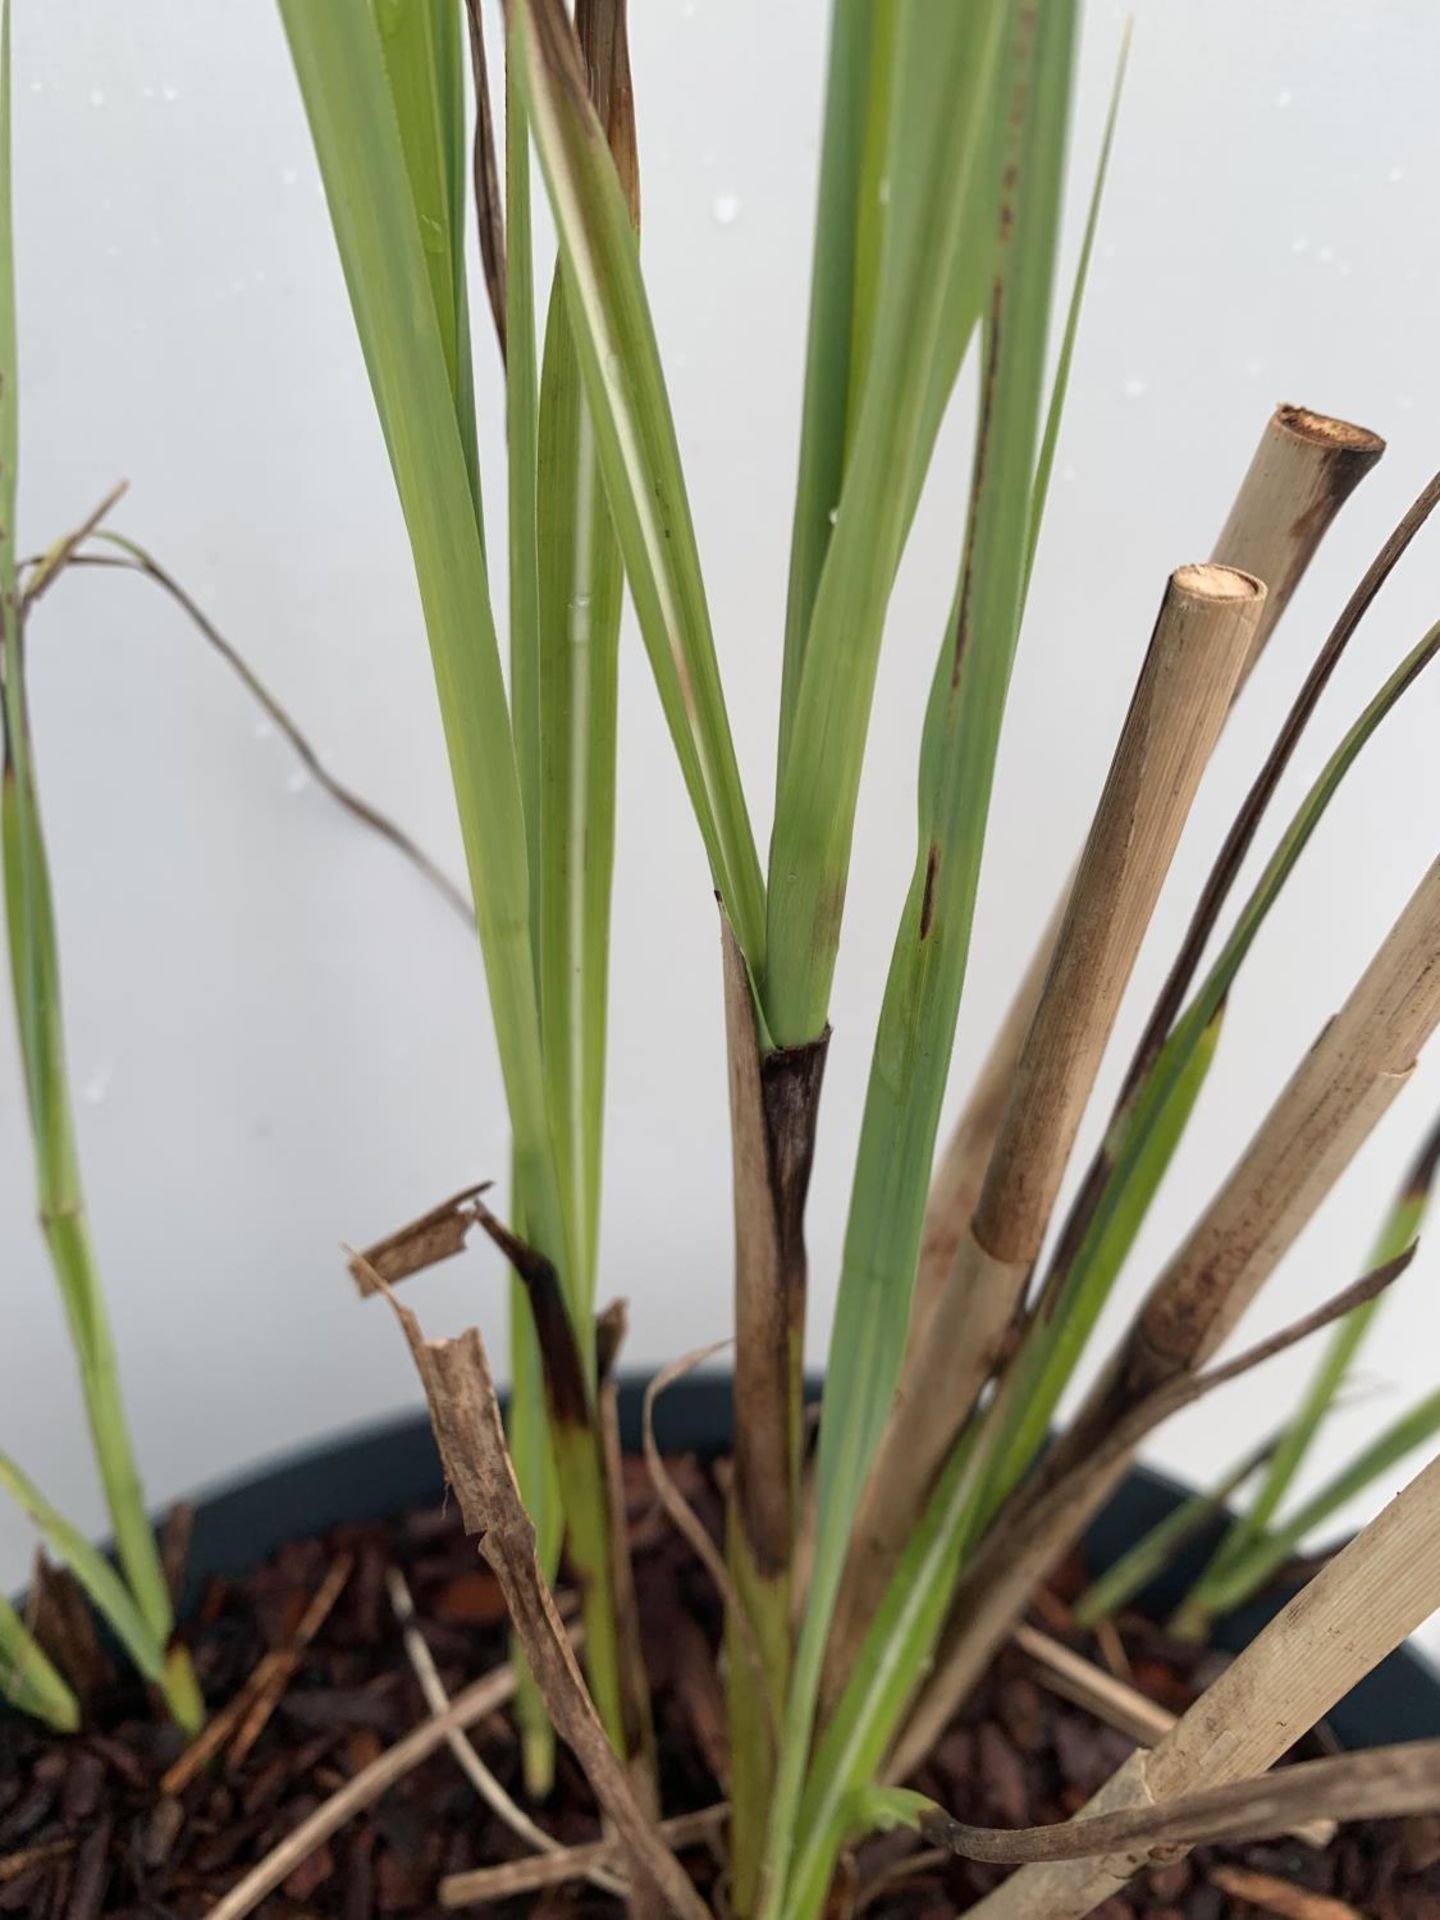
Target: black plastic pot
375, 1471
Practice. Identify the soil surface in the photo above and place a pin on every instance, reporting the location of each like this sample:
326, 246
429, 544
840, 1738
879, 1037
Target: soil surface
91, 1825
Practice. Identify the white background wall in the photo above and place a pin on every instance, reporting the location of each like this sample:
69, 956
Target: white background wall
278, 1037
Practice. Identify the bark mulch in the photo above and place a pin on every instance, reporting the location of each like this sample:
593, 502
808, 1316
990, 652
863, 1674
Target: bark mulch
91, 1826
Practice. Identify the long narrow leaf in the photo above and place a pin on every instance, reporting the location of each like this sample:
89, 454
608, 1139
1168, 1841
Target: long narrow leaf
917, 1021
28, 1680
421, 44
945, 62
107, 1591
1060, 386
342, 75
855, 26
527, 1422
35, 983
636, 446
1267, 1555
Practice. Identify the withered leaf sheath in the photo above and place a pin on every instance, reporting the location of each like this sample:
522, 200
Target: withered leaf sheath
465, 1414
774, 1107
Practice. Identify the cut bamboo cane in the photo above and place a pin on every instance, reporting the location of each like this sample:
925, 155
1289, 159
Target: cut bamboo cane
1304, 469
1357, 1066
1202, 637
774, 1104
1358, 1609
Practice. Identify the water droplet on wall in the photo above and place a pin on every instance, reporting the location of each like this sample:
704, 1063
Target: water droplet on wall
726, 208
1136, 387
97, 96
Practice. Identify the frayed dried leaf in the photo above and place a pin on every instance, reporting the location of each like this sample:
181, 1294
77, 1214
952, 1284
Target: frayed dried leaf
437, 1235
465, 1414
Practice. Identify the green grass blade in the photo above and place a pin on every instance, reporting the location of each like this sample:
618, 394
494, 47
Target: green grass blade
107, 1592
580, 599
859, 31
421, 43
28, 1680
1135, 1570
1399, 1234
343, 79
527, 1424
1060, 386
945, 60
922, 998
1267, 1555
1064, 1323
637, 449
35, 981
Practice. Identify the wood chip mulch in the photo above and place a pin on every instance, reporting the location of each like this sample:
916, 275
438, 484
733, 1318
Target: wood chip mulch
88, 1827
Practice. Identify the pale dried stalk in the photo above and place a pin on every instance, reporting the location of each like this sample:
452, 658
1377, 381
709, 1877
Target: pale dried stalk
490, 1790
1361, 1606
1202, 636
503, 1882
1304, 469
1068, 1674
465, 1413
1355, 1069
1045, 1516
1281, 1897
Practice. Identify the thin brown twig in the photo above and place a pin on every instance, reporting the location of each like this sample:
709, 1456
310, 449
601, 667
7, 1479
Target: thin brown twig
489, 1788
503, 1882
1380, 1783
135, 559
46, 568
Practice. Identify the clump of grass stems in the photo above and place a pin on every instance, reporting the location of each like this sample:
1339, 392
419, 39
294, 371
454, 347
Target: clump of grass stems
944, 138
866, 1590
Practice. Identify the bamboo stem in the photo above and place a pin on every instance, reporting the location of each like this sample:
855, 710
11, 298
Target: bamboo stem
1358, 1609
1203, 635
1304, 469
1357, 1066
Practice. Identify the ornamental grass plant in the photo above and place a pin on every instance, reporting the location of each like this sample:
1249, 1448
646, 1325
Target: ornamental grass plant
869, 1571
